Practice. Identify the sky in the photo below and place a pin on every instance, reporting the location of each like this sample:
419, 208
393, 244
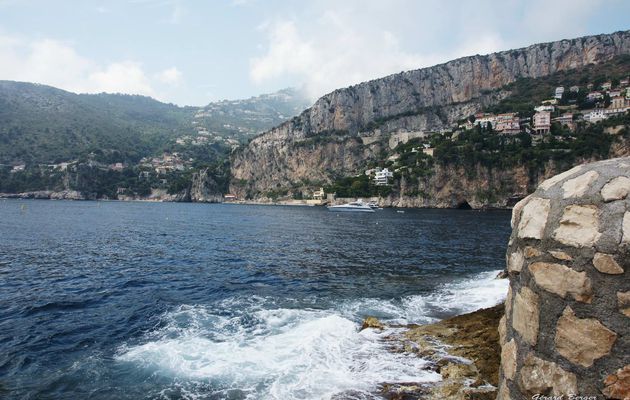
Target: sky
195, 52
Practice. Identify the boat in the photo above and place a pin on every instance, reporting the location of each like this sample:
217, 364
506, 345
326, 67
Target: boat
373, 205
355, 206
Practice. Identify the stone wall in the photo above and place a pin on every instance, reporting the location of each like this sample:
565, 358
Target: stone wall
567, 322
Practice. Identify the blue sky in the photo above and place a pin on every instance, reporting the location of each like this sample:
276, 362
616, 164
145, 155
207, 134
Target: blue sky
194, 52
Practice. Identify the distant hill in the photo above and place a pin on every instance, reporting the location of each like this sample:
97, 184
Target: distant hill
43, 124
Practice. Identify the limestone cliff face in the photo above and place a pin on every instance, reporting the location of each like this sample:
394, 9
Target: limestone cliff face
348, 127
204, 188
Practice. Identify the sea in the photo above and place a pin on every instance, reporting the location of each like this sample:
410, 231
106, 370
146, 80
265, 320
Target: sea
138, 300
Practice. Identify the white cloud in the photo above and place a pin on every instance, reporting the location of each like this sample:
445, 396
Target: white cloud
58, 64
342, 53
170, 76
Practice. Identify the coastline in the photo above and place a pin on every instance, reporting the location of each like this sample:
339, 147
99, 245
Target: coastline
72, 195
463, 349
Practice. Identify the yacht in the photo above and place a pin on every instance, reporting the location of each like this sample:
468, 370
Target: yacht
355, 206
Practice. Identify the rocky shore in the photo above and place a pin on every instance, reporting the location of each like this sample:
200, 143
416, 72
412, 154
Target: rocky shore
464, 349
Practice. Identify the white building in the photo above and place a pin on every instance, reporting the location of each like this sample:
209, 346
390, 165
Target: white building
559, 92
544, 108
381, 178
595, 115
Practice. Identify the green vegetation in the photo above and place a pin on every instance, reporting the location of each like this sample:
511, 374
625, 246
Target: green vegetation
357, 186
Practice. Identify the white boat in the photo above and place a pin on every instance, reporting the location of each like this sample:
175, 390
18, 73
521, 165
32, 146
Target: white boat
355, 206
373, 204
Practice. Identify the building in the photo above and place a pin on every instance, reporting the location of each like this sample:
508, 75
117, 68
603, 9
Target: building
574, 89
542, 122
230, 197
508, 123
618, 102
544, 108
559, 92
319, 194
614, 93
624, 82
18, 168
607, 85
566, 120
594, 96
595, 115
381, 178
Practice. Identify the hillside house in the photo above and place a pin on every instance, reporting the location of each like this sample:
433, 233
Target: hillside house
542, 122
381, 178
559, 92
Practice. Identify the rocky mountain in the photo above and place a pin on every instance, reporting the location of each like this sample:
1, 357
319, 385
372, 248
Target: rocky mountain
243, 119
347, 129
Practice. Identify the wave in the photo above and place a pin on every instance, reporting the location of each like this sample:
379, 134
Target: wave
252, 349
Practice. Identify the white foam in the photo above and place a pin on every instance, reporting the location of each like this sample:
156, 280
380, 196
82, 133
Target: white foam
306, 355
280, 353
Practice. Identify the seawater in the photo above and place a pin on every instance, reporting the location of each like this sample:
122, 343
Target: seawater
113, 300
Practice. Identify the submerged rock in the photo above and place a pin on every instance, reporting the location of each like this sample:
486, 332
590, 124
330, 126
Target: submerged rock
372, 322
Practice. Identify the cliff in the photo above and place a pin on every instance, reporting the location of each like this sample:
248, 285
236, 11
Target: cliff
349, 127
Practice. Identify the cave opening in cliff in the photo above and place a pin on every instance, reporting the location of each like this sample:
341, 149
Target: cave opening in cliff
464, 206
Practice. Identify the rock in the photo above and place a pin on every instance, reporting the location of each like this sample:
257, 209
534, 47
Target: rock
526, 315
508, 359
623, 299
549, 183
516, 210
531, 252
372, 322
502, 275
625, 227
560, 255
582, 341
534, 218
539, 376
561, 280
577, 187
515, 261
579, 226
617, 189
606, 264
504, 392
617, 385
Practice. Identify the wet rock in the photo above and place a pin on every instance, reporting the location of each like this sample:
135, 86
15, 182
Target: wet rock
561, 280
617, 189
578, 226
502, 275
578, 186
372, 322
617, 385
534, 218
525, 315
539, 376
606, 264
582, 341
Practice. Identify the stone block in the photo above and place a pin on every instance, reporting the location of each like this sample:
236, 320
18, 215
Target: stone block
578, 186
562, 280
508, 359
538, 376
534, 218
616, 189
579, 226
526, 315
582, 341
617, 385
606, 264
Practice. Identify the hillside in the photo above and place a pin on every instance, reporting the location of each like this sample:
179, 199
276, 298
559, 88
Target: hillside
355, 128
100, 145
